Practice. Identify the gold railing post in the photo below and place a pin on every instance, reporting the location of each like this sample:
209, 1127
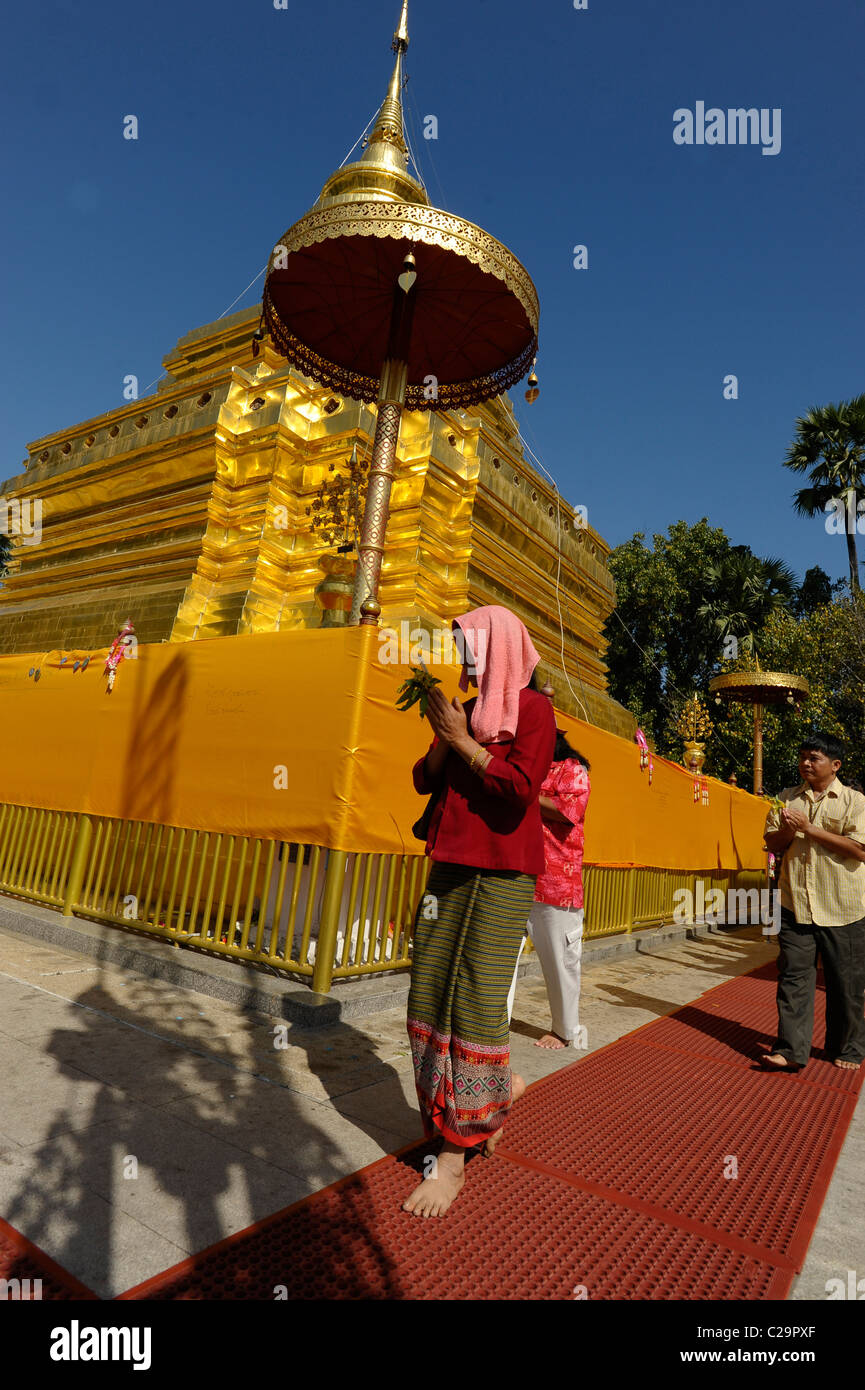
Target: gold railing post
630, 897
80, 851
325, 948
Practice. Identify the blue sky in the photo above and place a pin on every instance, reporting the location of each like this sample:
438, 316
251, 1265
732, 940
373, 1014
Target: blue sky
555, 129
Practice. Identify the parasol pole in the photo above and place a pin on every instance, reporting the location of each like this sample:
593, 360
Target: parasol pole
391, 399
758, 750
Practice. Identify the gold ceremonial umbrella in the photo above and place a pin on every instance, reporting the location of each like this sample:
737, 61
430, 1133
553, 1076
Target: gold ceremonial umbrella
383, 298
759, 688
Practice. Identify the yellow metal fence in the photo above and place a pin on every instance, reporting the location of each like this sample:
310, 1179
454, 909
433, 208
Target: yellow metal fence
320, 914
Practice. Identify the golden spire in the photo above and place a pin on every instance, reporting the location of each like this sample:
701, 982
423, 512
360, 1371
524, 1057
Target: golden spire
401, 35
381, 174
389, 127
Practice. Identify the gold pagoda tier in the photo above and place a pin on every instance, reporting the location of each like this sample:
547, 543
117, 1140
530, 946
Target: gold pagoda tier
186, 511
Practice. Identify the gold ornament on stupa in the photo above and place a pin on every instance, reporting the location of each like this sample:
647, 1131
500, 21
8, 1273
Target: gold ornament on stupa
337, 508
381, 297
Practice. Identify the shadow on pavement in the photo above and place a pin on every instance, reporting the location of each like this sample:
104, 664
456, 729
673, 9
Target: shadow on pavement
184, 1135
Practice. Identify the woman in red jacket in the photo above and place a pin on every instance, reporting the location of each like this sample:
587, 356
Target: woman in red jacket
487, 763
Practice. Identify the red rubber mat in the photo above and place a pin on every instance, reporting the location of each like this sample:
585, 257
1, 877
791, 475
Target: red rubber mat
658, 1129
355, 1243
39, 1278
741, 1029
665, 1166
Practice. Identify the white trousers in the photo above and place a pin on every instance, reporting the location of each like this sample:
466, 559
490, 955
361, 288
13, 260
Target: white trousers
557, 934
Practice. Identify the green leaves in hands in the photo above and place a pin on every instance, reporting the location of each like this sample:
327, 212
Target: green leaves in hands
416, 689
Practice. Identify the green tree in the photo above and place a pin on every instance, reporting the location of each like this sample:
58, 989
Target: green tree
830, 447
742, 592
658, 593
827, 647
680, 600
816, 590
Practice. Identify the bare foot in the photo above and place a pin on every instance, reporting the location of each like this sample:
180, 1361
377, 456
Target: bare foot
518, 1086
552, 1040
848, 1066
437, 1192
779, 1062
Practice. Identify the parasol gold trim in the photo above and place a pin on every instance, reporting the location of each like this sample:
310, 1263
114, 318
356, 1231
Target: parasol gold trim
759, 687
410, 223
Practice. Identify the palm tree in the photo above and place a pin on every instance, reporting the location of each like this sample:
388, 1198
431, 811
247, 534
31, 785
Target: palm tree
830, 442
741, 592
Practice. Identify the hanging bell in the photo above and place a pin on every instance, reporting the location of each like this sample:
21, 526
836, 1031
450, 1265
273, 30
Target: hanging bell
258, 338
534, 390
407, 277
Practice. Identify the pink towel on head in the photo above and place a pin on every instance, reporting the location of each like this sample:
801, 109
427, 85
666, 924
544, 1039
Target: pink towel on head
504, 659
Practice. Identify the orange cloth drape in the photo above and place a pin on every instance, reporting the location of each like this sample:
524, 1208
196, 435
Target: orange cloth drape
295, 736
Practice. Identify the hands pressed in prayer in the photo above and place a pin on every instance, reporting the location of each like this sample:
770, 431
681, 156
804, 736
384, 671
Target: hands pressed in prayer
448, 718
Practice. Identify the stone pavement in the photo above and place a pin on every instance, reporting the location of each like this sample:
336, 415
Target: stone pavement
141, 1122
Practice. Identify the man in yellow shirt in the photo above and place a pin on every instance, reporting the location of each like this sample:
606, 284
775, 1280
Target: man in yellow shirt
821, 834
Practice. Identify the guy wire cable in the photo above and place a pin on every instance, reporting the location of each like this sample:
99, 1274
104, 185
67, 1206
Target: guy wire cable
442, 200
267, 263
672, 684
558, 575
739, 767
359, 138
406, 124
243, 292
143, 393
540, 465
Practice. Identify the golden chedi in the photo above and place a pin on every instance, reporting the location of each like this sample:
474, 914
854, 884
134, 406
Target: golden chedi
190, 511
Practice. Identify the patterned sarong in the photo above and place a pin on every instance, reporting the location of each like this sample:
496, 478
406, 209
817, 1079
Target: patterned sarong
467, 937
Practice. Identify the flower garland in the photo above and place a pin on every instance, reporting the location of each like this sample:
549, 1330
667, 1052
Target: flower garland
645, 755
123, 646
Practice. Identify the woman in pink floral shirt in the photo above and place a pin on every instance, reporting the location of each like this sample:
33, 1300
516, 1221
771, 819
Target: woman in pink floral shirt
556, 921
